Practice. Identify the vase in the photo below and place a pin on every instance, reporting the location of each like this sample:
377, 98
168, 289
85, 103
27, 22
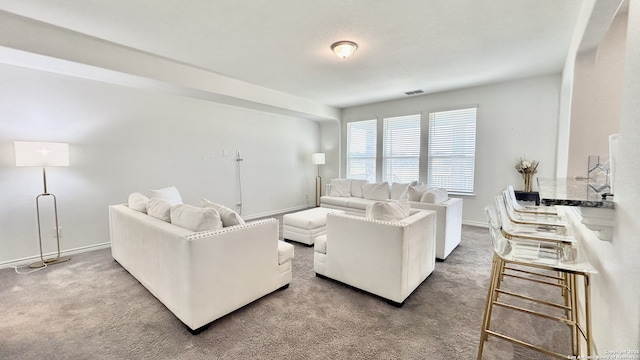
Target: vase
527, 185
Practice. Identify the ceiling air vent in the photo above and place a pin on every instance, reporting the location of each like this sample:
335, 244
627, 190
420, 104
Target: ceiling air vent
414, 92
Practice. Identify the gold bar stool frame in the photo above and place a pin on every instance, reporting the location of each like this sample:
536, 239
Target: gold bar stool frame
515, 258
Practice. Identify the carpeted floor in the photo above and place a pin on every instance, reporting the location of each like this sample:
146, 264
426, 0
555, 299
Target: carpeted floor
91, 308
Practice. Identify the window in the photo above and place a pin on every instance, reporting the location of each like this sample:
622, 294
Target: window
401, 149
361, 150
452, 150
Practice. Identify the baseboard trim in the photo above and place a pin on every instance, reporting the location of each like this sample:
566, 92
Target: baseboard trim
475, 223
29, 260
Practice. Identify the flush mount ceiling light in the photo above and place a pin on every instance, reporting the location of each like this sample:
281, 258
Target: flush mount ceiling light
344, 49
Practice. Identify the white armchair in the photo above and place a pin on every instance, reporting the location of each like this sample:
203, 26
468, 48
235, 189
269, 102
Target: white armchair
386, 258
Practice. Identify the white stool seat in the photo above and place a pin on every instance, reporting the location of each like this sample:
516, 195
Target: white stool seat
304, 226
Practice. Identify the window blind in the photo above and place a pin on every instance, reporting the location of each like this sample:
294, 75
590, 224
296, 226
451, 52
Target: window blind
401, 148
452, 149
361, 150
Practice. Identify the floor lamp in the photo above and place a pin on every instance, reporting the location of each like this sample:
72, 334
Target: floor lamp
318, 159
44, 154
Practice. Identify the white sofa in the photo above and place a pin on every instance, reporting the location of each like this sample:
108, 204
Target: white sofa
200, 276
386, 258
449, 212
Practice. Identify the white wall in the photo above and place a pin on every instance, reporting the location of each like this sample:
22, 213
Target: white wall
616, 288
124, 140
515, 119
597, 89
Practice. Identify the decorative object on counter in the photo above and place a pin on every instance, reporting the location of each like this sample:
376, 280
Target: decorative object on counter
527, 169
598, 173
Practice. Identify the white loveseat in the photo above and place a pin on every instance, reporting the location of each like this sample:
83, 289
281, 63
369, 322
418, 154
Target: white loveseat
386, 258
200, 276
351, 199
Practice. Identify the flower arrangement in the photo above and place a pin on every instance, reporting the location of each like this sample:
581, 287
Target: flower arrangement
527, 169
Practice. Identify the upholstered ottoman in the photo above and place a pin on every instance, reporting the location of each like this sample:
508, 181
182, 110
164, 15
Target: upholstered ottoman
304, 226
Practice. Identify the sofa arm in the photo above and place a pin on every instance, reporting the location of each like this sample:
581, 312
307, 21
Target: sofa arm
448, 224
231, 267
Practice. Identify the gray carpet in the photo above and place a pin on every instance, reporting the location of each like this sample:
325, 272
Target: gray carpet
91, 308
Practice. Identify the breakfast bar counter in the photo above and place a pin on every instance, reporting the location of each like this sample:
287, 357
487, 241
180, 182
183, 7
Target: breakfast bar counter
592, 204
574, 192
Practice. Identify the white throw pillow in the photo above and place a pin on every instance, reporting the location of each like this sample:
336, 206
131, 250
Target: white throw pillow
170, 194
159, 209
138, 202
398, 189
195, 218
442, 194
434, 196
376, 191
386, 210
340, 187
356, 187
414, 192
228, 216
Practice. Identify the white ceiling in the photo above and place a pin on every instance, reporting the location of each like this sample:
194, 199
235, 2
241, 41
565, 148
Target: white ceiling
284, 44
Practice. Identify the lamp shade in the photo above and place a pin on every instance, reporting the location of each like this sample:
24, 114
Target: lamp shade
317, 158
31, 153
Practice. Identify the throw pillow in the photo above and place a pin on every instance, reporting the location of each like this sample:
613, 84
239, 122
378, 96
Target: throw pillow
386, 210
356, 187
195, 218
170, 194
138, 202
414, 192
398, 189
228, 216
159, 209
442, 194
434, 196
340, 187
376, 191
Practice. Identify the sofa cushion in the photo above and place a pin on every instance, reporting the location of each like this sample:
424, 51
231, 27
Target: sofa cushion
398, 189
336, 200
170, 194
376, 191
359, 203
228, 216
385, 210
285, 252
195, 218
414, 192
138, 202
434, 196
340, 187
356, 187
159, 209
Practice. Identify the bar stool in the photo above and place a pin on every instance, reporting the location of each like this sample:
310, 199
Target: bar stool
530, 229
524, 259
549, 221
528, 209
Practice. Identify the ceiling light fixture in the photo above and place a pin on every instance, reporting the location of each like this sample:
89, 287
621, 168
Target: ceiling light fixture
344, 49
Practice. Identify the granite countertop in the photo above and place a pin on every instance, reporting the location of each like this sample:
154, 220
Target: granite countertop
573, 192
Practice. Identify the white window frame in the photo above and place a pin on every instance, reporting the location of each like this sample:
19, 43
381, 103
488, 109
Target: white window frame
452, 150
369, 130
401, 142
